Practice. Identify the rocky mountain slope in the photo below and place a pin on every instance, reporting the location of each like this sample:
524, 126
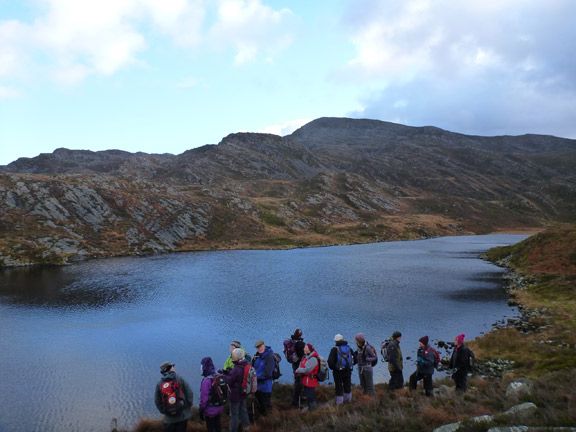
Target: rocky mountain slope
332, 181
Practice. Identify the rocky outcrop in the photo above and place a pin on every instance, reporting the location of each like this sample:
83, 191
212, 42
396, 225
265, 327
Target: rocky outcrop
332, 181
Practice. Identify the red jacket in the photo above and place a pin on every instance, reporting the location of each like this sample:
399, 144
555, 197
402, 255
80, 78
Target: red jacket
309, 378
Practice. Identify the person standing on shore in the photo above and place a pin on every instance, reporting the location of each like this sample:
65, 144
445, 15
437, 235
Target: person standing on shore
341, 360
365, 356
308, 370
294, 352
424, 367
208, 412
263, 362
395, 364
238, 409
173, 398
460, 362
228, 364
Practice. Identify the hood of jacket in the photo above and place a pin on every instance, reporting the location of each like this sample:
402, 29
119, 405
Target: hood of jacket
169, 376
207, 367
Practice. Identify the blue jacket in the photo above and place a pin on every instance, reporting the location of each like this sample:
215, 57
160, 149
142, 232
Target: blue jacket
264, 365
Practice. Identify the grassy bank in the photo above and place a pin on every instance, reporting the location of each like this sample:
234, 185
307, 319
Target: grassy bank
541, 346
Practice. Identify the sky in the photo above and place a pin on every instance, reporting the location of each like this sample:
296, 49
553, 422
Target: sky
165, 76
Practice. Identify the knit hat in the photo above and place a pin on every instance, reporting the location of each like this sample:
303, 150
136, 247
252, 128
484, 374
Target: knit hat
311, 347
165, 367
259, 343
297, 333
424, 340
460, 338
236, 343
360, 338
396, 335
338, 337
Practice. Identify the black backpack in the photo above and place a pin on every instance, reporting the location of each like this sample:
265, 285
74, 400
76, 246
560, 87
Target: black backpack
219, 391
276, 371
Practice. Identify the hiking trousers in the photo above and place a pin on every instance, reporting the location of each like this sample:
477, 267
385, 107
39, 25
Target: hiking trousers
176, 427
460, 377
417, 376
396, 380
264, 402
366, 380
238, 410
310, 393
213, 424
342, 381
297, 390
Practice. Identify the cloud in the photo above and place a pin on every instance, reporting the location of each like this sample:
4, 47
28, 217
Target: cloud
474, 67
8, 93
286, 128
70, 40
252, 28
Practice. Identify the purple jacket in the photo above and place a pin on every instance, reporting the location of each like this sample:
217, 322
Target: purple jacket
208, 371
235, 381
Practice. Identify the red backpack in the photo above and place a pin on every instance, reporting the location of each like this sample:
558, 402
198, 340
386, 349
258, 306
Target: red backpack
250, 380
171, 395
436, 355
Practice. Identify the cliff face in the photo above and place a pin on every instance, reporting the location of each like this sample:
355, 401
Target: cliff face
332, 181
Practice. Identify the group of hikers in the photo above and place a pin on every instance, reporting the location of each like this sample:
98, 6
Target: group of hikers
243, 376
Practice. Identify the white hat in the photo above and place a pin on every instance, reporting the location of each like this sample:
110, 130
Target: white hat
338, 337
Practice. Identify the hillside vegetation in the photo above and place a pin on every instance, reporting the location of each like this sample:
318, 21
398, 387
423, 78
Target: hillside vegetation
542, 348
333, 181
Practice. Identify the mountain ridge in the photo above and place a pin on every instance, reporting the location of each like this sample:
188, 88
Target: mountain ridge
332, 181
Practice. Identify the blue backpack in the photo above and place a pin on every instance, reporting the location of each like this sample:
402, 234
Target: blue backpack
345, 358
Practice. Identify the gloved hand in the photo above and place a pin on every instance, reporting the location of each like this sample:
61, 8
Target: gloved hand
420, 360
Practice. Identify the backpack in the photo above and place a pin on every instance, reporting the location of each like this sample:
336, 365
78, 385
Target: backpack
219, 391
344, 360
323, 373
171, 396
470, 357
290, 350
436, 355
249, 381
374, 362
385, 350
276, 371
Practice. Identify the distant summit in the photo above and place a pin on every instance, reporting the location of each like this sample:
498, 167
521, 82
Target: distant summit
334, 180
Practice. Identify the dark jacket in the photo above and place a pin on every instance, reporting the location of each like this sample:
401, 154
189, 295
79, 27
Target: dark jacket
299, 349
459, 359
264, 365
425, 362
333, 356
208, 372
235, 381
364, 356
396, 364
187, 395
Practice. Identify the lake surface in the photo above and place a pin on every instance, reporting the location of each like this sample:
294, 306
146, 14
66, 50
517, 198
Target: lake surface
81, 345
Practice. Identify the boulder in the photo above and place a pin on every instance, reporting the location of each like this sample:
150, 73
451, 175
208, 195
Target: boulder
519, 387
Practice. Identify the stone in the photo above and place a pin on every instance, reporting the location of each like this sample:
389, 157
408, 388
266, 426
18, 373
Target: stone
519, 387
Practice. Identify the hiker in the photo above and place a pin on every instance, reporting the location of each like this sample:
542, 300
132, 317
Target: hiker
294, 352
341, 360
209, 412
308, 371
424, 367
173, 398
263, 362
460, 362
365, 356
395, 364
238, 410
228, 365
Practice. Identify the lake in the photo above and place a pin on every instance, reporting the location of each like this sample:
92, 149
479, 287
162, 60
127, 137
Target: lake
81, 345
